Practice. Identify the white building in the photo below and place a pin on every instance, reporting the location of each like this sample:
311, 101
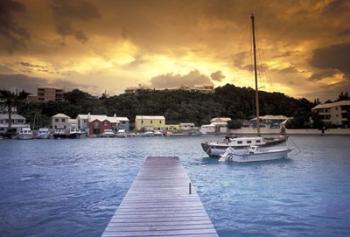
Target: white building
272, 121
18, 122
62, 122
336, 113
208, 129
217, 125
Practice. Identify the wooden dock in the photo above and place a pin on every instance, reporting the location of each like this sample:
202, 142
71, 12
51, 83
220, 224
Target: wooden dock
159, 203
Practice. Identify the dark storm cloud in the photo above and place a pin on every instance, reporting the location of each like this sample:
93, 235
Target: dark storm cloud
336, 57
30, 84
344, 32
171, 80
217, 76
15, 36
337, 7
65, 12
316, 76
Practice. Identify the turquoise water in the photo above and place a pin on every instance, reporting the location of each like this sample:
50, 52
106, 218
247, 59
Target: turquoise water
73, 187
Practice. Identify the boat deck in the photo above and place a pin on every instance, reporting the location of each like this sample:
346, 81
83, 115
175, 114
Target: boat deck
161, 202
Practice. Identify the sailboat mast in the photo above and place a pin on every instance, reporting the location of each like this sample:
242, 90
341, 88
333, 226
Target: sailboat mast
256, 79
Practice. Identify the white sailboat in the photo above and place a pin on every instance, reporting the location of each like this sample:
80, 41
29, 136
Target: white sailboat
218, 148
255, 153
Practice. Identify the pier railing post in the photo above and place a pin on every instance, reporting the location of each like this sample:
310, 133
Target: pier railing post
189, 188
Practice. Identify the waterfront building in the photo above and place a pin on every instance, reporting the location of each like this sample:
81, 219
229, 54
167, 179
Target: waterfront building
220, 121
45, 94
61, 122
98, 126
147, 122
87, 121
271, 121
336, 113
18, 122
208, 129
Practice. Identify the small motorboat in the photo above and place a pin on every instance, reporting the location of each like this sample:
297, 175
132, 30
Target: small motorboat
158, 133
255, 153
25, 134
121, 133
147, 134
108, 133
73, 133
43, 133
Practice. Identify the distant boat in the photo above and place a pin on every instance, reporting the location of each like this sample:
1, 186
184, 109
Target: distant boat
25, 134
158, 133
121, 133
255, 153
62, 133
108, 133
74, 133
43, 133
147, 134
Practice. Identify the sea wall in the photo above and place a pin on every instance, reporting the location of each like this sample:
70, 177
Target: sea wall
274, 131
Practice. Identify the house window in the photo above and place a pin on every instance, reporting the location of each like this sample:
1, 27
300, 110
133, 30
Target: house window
151, 121
239, 142
249, 142
63, 120
56, 120
160, 121
257, 141
142, 121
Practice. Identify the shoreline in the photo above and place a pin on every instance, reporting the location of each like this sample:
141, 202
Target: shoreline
302, 132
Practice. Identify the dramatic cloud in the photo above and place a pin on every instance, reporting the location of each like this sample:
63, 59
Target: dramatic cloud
316, 76
336, 57
30, 84
65, 12
302, 46
217, 76
14, 35
170, 80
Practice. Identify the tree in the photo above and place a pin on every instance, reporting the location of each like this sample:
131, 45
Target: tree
343, 96
9, 100
234, 124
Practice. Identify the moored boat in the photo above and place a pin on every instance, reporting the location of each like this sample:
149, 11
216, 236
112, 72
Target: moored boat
108, 133
255, 153
216, 149
121, 133
43, 133
25, 134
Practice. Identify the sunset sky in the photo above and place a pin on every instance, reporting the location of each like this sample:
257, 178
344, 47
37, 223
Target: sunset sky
303, 46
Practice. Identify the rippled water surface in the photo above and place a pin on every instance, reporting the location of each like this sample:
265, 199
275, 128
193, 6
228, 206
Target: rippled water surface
73, 187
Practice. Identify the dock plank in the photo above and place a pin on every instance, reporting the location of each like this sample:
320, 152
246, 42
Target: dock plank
158, 203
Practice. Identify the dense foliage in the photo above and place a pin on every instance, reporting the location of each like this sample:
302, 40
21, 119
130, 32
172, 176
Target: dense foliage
176, 105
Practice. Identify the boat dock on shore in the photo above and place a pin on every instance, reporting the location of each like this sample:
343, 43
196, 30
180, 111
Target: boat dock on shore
161, 202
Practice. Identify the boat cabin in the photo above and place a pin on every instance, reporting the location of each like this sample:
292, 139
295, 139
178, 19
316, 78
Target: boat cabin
246, 141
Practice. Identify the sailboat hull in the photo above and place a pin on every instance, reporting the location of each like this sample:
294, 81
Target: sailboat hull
272, 154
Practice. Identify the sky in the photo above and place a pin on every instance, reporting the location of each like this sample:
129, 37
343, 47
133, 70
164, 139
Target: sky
303, 47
